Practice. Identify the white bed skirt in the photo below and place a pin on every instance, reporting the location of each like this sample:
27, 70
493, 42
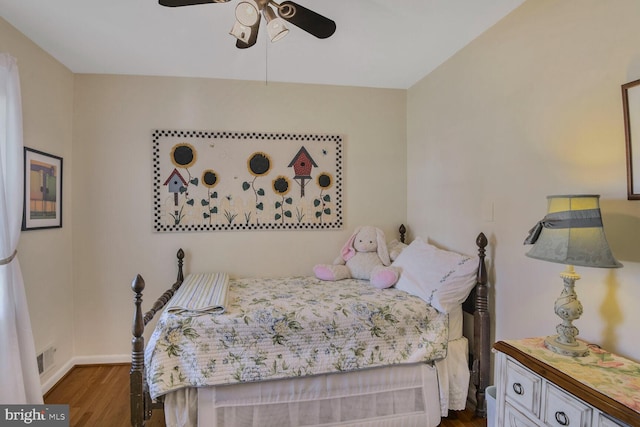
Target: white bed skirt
400, 395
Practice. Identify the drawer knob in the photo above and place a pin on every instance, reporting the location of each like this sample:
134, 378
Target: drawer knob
517, 387
562, 418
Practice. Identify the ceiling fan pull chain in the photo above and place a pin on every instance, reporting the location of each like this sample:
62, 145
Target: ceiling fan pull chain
266, 64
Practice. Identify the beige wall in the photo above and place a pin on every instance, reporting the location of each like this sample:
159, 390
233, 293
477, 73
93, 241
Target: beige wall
113, 237
45, 255
529, 109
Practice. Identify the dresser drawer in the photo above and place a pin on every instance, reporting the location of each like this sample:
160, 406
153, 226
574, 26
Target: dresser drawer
515, 418
564, 410
523, 388
605, 421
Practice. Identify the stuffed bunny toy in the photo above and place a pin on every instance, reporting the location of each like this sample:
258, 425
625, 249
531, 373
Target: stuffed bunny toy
364, 256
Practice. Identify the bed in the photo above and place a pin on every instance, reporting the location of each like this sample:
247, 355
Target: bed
273, 356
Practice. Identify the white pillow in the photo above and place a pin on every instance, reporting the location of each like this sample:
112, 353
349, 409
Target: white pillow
442, 278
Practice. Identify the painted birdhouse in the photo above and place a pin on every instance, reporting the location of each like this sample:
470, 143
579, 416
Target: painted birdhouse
302, 164
175, 182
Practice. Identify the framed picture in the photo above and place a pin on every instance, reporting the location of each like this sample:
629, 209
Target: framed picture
631, 108
237, 181
42, 190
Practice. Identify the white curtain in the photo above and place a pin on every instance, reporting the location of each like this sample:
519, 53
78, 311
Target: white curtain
19, 380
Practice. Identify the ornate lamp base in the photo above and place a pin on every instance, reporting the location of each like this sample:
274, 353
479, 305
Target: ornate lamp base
578, 349
568, 308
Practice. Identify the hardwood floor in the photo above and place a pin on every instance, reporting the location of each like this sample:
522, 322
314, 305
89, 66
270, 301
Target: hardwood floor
98, 396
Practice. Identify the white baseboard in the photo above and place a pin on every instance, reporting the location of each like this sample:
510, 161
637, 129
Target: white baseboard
83, 360
102, 360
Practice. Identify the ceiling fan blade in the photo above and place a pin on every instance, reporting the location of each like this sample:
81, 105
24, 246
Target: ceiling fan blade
177, 3
307, 20
252, 39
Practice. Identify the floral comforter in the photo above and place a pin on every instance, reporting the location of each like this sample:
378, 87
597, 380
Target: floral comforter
278, 328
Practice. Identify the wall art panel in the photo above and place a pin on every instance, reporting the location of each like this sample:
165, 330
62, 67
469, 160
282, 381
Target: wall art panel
215, 181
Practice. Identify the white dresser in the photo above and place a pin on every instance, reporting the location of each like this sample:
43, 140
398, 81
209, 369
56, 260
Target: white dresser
537, 387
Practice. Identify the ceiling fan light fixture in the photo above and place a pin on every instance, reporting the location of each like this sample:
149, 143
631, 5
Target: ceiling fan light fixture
241, 32
275, 25
247, 13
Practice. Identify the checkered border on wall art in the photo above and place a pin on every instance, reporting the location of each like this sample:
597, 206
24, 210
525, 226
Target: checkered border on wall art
225, 181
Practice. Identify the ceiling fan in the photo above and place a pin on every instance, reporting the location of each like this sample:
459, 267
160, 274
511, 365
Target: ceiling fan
245, 29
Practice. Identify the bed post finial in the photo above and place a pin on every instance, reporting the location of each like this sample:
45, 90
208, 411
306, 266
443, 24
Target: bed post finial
180, 256
403, 231
137, 285
482, 243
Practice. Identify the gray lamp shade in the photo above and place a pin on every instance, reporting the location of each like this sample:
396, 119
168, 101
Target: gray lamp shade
571, 233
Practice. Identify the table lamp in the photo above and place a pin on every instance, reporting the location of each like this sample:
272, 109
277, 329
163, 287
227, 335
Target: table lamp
571, 233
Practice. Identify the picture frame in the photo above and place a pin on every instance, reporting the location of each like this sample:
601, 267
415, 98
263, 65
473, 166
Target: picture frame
631, 109
207, 180
42, 190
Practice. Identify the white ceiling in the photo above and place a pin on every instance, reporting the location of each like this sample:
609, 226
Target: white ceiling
385, 44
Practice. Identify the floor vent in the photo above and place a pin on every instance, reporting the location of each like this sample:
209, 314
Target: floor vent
46, 359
